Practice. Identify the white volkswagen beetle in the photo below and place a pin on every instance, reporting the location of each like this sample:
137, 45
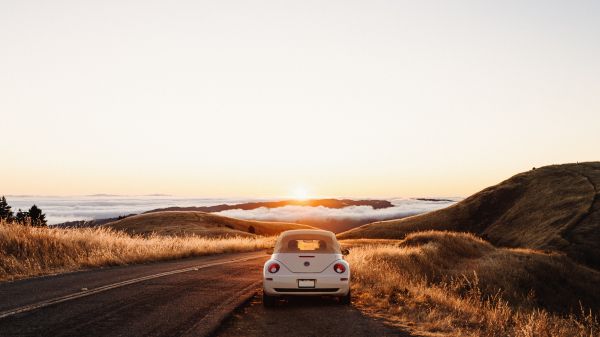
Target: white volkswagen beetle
306, 262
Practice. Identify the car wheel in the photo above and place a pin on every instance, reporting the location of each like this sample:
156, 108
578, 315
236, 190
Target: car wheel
268, 301
346, 299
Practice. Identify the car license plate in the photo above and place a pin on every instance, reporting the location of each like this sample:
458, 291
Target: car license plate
306, 283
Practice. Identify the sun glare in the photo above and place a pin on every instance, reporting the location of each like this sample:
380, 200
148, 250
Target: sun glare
300, 193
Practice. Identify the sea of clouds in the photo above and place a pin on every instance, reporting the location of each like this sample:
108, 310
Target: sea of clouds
62, 209
402, 207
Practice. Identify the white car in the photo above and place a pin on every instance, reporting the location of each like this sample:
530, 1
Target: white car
306, 262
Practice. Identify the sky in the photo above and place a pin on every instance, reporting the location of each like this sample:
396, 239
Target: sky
275, 98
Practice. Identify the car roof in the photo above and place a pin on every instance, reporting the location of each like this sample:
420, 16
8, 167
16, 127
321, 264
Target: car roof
311, 234
306, 231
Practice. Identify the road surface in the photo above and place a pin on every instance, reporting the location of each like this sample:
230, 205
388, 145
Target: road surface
189, 297
303, 317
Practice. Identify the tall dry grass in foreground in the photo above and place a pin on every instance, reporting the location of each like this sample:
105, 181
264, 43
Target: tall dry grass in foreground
444, 283
29, 251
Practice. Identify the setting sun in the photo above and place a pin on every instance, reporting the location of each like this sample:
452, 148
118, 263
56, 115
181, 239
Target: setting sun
300, 193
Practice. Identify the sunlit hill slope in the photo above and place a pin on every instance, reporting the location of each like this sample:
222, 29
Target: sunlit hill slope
550, 208
180, 223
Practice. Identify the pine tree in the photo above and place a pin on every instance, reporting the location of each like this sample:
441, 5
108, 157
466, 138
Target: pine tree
36, 217
22, 217
5, 212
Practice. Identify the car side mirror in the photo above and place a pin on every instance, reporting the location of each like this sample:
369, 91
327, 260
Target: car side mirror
345, 251
269, 251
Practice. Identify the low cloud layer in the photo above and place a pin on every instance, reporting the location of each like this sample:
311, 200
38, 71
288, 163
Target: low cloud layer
61, 209
401, 208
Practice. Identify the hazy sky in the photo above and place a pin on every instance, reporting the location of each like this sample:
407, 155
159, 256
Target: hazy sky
258, 98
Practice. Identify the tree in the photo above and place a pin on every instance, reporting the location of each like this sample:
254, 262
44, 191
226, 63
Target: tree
5, 212
36, 217
22, 217
251, 230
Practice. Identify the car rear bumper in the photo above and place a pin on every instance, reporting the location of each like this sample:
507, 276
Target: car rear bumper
324, 285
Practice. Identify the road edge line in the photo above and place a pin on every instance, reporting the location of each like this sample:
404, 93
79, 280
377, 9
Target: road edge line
85, 293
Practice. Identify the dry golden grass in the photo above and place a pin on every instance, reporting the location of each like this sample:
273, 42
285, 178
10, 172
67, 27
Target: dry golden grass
551, 208
455, 284
184, 223
29, 251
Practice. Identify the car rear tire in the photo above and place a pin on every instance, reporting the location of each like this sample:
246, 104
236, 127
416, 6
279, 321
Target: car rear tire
268, 301
345, 300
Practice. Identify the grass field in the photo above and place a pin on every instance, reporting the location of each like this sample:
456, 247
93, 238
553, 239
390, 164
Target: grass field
30, 251
444, 283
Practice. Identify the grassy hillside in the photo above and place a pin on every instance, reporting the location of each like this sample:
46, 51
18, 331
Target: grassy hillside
183, 223
445, 283
27, 251
550, 208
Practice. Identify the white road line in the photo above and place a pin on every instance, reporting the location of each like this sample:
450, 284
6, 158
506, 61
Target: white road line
93, 291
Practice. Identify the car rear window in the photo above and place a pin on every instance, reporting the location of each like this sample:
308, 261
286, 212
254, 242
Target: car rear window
307, 244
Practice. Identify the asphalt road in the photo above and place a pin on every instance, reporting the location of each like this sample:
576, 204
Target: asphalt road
190, 297
303, 317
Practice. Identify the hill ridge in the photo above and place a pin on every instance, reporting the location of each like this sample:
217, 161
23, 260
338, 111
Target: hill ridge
181, 223
554, 207
327, 202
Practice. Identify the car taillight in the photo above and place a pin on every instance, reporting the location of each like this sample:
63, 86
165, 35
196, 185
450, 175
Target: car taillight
339, 268
273, 268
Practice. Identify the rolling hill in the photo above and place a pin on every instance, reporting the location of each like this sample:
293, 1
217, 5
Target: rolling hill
550, 208
175, 223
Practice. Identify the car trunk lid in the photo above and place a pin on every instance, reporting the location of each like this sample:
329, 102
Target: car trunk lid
306, 262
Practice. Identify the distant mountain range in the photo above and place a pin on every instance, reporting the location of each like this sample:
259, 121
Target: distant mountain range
329, 203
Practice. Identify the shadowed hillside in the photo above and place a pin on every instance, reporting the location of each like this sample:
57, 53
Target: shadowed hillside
553, 208
198, 223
